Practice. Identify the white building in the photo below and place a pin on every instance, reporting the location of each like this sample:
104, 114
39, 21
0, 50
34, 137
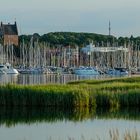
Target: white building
91, 48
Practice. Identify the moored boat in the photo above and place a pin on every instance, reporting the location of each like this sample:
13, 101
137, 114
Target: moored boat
86, 71
117, 71
7, 69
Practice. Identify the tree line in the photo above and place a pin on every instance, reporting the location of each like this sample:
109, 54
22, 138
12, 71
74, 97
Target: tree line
79, 39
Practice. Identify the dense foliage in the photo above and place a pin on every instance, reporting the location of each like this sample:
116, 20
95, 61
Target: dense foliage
80, 39
69, 38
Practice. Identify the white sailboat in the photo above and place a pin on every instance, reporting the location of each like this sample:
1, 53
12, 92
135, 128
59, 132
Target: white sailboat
7, 68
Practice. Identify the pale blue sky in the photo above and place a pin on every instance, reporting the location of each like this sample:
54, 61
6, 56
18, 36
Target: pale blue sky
45, 16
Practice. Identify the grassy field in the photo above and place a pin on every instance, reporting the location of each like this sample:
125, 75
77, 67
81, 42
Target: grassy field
110, 93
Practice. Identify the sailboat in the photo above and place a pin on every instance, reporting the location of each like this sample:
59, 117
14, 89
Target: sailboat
7, 68
86, 71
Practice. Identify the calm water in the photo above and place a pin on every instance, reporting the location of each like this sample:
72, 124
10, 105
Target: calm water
49, 124
44, 79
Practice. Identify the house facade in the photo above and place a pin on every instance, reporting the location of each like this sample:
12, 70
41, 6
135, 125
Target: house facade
9, 34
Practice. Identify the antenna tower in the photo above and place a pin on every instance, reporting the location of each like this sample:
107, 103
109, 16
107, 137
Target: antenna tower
109, 28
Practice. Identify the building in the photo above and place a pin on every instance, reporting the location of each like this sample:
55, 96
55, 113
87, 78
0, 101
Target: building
9, 34
91, 48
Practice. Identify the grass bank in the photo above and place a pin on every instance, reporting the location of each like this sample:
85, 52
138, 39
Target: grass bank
110, 93
43, 95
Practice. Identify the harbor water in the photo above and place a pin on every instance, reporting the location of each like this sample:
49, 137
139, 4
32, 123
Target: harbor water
32, 79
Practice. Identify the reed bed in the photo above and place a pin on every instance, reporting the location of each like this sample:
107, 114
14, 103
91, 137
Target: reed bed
51, 95
111, 93
110, 80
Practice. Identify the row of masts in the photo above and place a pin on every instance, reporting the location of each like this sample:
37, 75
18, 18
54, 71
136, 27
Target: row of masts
43, 55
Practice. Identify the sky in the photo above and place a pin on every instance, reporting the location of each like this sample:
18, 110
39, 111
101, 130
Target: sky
43, 16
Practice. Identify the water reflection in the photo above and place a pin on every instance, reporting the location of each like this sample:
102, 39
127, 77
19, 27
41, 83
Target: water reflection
13, 116
27, 79
8, 78
62, 124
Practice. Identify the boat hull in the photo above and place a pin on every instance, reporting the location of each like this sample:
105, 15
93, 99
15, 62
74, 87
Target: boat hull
86, 71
